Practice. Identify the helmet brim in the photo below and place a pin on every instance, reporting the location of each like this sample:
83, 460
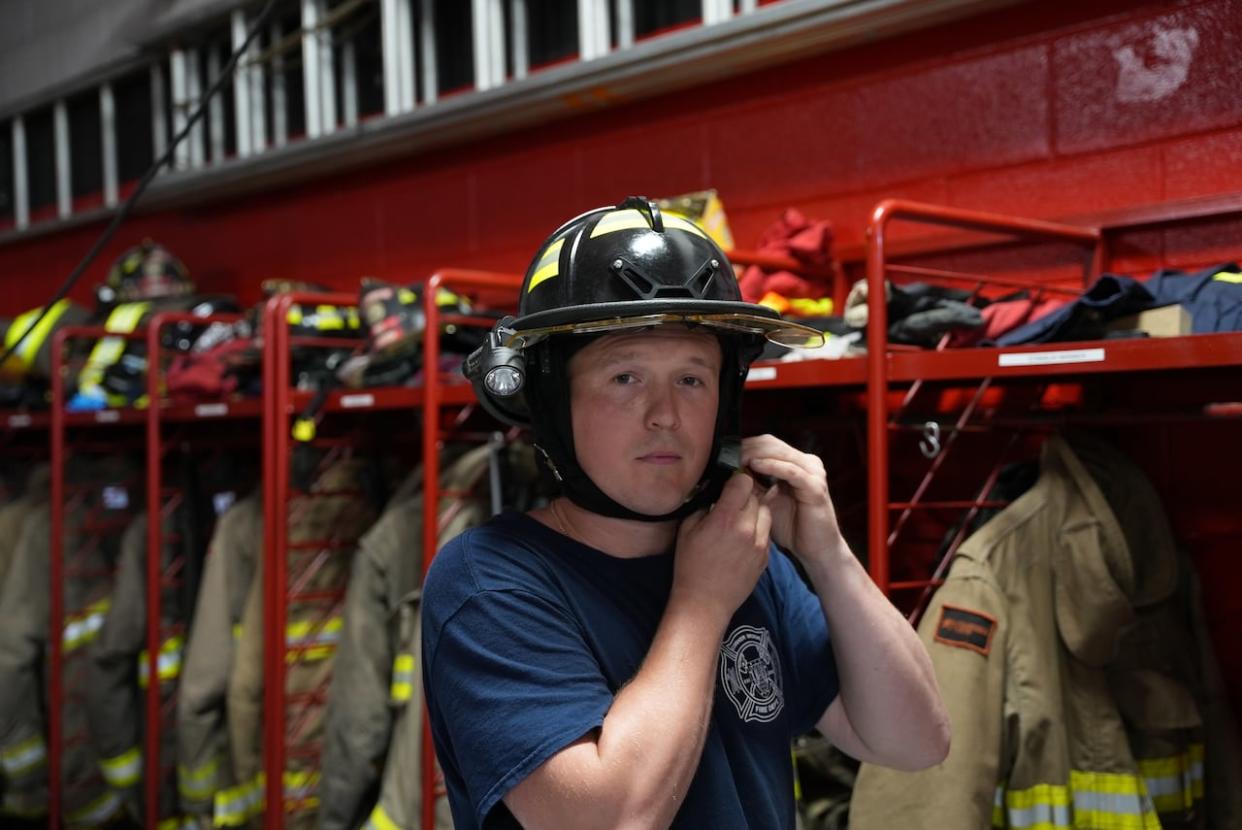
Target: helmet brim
735, 318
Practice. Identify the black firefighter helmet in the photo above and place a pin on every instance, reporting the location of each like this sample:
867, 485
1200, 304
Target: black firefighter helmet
609, 270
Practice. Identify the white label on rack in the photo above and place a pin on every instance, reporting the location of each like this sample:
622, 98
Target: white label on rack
357, 401
211, 410
762, 373
19, 421
1052, 358
107, 416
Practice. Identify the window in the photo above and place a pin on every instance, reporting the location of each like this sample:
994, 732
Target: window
135, 143
552, 30
454, 46
285, 97
652, 17
357, 51
41, 162
85, 144
220, 119
8, 196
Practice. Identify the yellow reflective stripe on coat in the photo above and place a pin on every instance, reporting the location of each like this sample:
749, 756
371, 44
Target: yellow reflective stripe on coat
319, 641
108, 350
324, 317
1092, 801
998, 808
23, 757
380, 820
102, 809
122, 770
168, 663
199, 783
1175, 783
402, 678
84, 626
235, 806
26, 352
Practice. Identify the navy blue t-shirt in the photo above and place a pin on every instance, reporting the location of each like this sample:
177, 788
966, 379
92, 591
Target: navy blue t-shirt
528, 636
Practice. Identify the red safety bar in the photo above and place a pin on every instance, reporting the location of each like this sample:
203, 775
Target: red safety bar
879, 358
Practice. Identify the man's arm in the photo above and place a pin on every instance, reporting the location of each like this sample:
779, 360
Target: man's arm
889, 709
636, 770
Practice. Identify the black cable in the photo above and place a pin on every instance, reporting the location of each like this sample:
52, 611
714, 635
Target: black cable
126, 206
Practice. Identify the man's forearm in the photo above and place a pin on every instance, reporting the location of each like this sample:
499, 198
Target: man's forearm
652, 737
888, 685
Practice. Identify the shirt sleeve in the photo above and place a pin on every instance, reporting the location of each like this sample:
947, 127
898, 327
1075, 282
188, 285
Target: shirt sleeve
810, 668
512, 681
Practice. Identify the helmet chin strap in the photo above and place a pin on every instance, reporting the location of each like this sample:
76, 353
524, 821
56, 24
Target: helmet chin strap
583, 492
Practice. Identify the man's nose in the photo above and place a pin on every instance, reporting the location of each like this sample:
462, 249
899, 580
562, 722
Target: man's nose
662, 410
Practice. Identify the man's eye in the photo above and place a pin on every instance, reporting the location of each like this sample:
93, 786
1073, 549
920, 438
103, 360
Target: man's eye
623, 378
691, 380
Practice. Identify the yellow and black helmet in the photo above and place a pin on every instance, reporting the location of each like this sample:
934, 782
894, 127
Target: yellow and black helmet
634, 266
145, 272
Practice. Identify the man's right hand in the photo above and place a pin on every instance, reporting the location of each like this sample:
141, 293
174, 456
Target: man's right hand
722, 551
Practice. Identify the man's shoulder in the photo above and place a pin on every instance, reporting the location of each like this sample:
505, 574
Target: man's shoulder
505, 553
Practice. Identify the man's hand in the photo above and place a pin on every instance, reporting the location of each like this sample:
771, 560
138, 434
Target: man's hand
722, 552
803, 519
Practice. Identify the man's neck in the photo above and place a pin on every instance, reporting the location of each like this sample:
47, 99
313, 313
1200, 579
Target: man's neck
622, 538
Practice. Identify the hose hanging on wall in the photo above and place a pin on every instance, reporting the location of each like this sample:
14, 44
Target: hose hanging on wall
123, 211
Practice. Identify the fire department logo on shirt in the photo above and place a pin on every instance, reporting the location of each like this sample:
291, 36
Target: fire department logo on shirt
750, 673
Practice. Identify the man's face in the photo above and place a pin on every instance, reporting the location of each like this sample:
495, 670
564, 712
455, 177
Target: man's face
644, 414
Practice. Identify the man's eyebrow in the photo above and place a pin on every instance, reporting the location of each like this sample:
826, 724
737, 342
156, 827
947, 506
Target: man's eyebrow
621, 357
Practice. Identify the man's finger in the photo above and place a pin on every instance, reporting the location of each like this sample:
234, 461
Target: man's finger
763, 525
736, 490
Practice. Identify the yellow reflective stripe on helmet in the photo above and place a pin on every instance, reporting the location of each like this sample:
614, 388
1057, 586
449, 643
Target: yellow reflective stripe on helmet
630, 219
199, 783
235, 806
1228, 276
25, 354
108, 350
23, 757
402, 678
324, 317
322, 640
168, 662
122, 770
98, 811
1175, 782
380, 820
84, 626
549, 265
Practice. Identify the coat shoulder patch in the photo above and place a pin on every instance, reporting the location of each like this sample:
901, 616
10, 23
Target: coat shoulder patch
963, 628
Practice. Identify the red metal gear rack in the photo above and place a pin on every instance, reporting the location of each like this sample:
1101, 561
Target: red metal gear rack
60, 420
888, 368
280, 403
155, 416
161, 501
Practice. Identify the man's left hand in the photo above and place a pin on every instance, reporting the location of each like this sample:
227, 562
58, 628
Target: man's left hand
803, 519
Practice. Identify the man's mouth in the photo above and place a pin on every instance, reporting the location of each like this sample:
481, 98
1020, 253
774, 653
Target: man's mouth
660, 458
